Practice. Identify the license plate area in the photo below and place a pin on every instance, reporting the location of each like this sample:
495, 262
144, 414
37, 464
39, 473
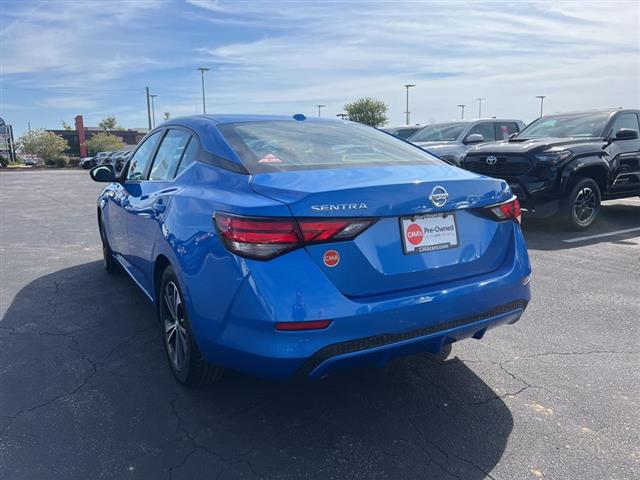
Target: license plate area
429, 232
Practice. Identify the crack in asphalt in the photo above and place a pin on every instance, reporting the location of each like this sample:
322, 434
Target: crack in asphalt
196, 446
74, 345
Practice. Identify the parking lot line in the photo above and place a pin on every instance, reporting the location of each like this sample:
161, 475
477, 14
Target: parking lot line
600, 235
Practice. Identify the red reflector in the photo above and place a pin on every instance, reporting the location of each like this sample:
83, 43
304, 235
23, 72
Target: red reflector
313, 325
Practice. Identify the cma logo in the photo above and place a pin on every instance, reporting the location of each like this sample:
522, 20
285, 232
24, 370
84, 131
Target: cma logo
338, 206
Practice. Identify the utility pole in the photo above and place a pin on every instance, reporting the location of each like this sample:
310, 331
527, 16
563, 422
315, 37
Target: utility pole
479, 99
462, 108
149, 109
29, 126
204, 105
541, 97
319, 109
407, 112
153, 109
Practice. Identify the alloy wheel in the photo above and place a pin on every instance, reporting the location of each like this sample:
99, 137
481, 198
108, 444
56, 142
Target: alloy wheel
584, 205
175, 332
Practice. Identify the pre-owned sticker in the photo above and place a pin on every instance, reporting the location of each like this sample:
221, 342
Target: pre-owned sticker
331, 258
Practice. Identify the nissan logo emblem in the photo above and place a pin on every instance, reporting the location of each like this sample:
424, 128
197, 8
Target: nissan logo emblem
491, 160
439, 196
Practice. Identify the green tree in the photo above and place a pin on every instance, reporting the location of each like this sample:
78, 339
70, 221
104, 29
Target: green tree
103, 142
167, 116
109, 123
65, 125
45, 145
367, 110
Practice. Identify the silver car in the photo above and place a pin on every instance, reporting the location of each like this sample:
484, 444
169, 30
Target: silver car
452, 140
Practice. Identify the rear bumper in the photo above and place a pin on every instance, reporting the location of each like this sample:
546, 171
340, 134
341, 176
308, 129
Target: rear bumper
362, 331
380, 349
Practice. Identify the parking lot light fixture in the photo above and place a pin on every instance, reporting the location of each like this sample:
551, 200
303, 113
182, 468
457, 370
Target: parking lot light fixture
204, 105
319, 109
153, 109
479, 99
541, 97
462, 110
407, 112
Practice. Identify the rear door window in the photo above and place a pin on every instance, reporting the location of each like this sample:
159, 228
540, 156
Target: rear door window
504, 129
169, 154
190, 154
485, 129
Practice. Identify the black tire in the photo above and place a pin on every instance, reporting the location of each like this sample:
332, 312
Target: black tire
440, 356
580, 207
185, 359
111, 265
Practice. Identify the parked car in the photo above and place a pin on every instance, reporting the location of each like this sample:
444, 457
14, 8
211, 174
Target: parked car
452, 140
267, 246
567, 164
31, 162
121, 160
88, 162
402, 131
101, 157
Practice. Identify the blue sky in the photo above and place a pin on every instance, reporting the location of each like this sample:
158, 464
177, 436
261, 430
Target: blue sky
62, 58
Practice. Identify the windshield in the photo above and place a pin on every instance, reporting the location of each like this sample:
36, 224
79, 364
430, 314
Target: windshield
564, 126
287, 145
443, 132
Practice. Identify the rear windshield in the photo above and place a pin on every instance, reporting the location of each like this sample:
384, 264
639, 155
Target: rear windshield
289, 145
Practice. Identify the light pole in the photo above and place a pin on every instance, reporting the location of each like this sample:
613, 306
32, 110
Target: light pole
153, 109
407, 112
319, 109
462, 108
541, 97
202, 70
479, 99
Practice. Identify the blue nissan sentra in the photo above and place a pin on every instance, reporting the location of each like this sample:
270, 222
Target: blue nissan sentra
291, 246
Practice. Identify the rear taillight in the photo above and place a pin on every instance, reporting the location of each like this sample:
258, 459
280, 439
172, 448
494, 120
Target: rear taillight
509, 210
267, 237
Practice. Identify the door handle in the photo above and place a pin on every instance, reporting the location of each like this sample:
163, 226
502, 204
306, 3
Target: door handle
159, 207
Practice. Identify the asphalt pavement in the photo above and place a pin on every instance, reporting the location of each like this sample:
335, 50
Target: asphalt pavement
85, 391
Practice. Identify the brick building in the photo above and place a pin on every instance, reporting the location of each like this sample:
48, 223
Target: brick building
77, 138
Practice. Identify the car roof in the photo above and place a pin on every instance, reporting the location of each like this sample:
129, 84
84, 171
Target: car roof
597, 110
222, 119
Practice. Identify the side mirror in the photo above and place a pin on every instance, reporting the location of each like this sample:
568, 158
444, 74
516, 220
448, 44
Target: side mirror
626, 134
474, 138
513, 135
103, 174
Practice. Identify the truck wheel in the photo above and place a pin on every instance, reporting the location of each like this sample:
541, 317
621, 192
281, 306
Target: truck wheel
580, 207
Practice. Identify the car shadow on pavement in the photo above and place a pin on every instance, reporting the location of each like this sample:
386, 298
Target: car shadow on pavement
550, 234
86, 392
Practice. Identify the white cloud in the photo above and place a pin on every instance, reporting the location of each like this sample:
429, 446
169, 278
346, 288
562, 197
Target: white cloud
455, 52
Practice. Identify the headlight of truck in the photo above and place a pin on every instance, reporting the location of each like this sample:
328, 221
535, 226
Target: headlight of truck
554, 155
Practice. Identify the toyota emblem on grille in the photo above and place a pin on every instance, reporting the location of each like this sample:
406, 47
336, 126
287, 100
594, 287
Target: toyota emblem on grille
491, 160
439, 196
